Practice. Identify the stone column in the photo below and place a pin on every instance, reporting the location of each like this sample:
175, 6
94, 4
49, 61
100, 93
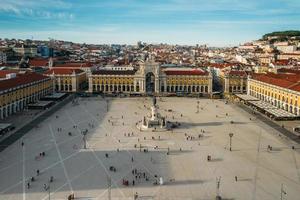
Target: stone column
90, 84
157, 86
165, 85
74, 83
226, 87
242, 85
59, 85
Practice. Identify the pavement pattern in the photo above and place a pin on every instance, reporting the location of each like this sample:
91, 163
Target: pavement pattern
118, 153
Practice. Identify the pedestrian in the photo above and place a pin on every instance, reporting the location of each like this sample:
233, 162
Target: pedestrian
22, 143
131, 159
45, 187
37, 172
235, 178
133, 182
28, 185
51, 179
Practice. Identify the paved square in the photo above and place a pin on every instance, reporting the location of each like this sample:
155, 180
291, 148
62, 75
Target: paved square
185, 171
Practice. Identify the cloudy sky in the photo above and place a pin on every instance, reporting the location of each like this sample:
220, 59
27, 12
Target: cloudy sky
213, 22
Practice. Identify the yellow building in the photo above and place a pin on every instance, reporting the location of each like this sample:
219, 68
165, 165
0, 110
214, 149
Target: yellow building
280, 90
67, 79
150, 77
190, 81
234, 82
109, 81
17, 90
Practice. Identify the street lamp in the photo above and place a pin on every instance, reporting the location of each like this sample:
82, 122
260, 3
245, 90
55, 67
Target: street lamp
84, 139
230, 139
218, 184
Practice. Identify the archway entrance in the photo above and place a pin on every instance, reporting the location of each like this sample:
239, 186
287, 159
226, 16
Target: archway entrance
150, 82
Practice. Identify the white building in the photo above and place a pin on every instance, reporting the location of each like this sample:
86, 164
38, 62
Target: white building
2, 57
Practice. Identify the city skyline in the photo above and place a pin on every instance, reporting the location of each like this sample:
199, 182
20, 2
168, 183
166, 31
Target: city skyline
216, 23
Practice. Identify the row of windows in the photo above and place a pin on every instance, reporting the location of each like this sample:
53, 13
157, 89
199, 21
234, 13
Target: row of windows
237, 89
280, 98
18, 94
277, 103
30, 98
115, 88
130, 88
273, 94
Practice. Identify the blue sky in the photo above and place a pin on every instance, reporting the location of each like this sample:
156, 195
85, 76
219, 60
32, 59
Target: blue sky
213, 22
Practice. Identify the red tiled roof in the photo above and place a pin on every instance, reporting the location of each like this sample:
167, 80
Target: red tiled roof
3, 73
289, 81
281, 62
236, 73
38, 62
186, 72
115, 72
21, 79
73, 65
63, 71
291, 71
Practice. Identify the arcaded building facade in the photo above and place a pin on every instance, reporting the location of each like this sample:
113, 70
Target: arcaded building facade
21, 89
280, 90
150, 77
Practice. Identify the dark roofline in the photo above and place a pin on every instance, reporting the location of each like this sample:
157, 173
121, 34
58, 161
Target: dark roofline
114, 72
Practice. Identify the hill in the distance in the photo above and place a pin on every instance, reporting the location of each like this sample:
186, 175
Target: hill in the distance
282, 34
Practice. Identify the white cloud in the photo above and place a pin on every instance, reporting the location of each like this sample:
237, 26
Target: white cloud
37, 8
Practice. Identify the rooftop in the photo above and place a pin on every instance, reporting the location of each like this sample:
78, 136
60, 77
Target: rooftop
289, 81
114, 72
36, 62
73, 65
21, 79
63, 71
197, 72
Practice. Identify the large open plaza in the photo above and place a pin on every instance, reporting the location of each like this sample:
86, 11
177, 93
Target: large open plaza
92, 148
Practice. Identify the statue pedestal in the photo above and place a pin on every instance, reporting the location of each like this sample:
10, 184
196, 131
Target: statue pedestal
153, 122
